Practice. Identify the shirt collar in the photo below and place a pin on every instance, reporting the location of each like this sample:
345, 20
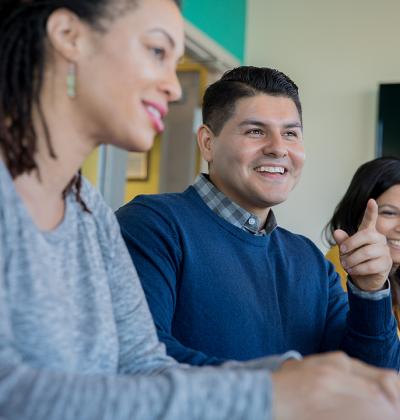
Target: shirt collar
224, 207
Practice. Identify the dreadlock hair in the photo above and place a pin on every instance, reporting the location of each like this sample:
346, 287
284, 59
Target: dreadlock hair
22, 65
242, 82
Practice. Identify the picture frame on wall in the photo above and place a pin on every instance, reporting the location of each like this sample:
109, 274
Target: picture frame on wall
138, 166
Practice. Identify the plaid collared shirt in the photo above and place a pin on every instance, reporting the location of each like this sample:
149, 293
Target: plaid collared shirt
220, 204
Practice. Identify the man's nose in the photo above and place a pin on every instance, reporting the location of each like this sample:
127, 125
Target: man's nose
275, 145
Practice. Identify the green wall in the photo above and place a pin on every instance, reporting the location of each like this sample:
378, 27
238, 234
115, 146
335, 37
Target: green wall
222, 20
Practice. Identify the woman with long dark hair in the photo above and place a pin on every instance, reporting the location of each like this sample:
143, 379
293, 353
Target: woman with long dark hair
378, 179
77, 340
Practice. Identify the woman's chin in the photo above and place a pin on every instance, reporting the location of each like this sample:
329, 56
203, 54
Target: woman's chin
142, 143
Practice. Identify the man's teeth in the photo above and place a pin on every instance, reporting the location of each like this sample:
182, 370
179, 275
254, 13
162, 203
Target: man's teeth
395, 242
154, 111
271, 169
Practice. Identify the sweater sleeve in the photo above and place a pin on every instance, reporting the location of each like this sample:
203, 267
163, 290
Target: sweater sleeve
140, 350
170, 392
372, 331
363, 328
153, 245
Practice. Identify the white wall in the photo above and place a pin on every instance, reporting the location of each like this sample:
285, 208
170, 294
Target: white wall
337, 52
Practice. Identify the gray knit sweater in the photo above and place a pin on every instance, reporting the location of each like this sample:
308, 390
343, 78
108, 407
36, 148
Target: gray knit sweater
76, 337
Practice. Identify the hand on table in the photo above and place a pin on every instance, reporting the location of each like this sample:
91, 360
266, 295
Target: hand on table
333, 386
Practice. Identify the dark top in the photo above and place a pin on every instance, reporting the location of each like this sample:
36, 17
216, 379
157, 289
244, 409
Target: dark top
217, 292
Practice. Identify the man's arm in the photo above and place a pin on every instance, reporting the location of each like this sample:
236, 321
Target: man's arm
154, 247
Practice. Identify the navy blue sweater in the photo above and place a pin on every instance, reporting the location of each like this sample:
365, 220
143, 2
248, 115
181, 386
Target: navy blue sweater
217, 292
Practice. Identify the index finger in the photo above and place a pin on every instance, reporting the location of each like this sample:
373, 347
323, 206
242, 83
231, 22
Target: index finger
370, 216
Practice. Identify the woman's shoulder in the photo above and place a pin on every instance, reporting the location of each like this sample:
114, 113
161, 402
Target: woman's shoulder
2, 192
5, 182
7, 192
93, 199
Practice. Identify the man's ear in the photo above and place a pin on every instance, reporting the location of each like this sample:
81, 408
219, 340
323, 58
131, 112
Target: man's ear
64, 30
205, 138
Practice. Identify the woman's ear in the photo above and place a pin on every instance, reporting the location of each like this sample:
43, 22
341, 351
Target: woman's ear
64, 30
205, 139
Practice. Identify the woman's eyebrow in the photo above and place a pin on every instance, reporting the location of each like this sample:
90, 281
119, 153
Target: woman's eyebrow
166, 34
392, 206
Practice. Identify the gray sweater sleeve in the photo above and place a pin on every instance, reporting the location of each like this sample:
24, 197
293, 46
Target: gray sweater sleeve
175, 393
140, 349
149, 384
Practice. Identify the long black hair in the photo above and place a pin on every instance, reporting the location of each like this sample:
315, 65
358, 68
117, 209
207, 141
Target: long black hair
22, 65
371, 180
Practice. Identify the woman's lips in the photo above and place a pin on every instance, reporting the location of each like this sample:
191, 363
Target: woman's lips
394, 243
156, 113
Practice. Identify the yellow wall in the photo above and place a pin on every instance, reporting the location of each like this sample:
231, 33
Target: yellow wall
188, 65
133, 188
89, 169
150, 186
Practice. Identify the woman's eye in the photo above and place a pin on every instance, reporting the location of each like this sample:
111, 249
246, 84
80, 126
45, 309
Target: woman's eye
388, 213
159, 52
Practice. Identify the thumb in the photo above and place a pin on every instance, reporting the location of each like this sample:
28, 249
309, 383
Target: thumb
370, 216
340, 236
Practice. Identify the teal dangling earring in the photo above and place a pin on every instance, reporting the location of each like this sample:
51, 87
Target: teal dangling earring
71, 80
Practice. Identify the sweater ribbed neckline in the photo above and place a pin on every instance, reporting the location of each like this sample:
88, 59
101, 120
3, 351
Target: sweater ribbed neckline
255, 240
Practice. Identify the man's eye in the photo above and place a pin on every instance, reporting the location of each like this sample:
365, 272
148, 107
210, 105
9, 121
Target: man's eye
290, 134
255, 132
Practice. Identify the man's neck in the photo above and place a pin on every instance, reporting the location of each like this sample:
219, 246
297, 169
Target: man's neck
260, 213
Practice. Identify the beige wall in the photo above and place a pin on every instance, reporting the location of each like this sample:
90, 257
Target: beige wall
337, 52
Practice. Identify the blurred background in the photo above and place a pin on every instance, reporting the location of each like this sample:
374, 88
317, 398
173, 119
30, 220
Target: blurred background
345, 58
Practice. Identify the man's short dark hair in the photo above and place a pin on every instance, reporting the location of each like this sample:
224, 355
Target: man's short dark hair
246, 81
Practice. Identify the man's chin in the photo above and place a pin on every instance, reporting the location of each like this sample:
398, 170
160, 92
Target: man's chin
274, 200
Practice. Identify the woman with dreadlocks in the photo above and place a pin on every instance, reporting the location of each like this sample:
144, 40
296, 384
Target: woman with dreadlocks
75, 74
76, 337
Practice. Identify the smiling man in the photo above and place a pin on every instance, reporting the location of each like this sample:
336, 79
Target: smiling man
222, 280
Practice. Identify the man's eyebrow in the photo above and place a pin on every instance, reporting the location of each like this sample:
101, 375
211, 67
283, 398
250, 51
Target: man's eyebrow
252, 122
258, 123
293, 125
166, 34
